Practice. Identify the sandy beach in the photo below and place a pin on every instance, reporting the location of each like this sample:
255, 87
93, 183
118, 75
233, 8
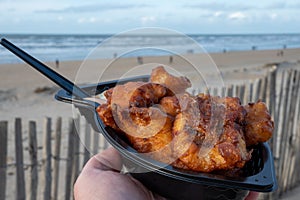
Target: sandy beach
19, 81
27, 94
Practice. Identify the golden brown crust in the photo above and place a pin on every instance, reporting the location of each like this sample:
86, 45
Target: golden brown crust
202, 144
105, 113
170, 105
148, 130
176, 84
201, 133
139, 94
259, 126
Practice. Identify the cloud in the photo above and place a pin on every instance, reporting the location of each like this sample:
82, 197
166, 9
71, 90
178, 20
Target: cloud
226, 6
91, 8
276, 5
218, 14
237, 16
147, 19
282, 5
215, 6
91, 21
87, 20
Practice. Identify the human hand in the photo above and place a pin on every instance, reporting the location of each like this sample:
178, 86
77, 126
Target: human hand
252, 196
101, 179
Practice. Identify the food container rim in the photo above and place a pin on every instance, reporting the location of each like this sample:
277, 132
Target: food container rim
263, 181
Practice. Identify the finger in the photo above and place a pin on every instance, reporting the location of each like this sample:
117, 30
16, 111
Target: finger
252, 196
108, 159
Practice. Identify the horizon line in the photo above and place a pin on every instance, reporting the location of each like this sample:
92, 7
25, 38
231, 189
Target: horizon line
91, 34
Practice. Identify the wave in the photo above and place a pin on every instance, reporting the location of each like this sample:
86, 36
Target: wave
76, 47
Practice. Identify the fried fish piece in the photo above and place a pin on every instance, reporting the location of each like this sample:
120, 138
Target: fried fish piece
149, 130
176, 84
105, 113
139, 94
201, 133
258, 123
210, 139
170, 105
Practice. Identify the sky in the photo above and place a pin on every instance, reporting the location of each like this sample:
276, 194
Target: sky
114, 16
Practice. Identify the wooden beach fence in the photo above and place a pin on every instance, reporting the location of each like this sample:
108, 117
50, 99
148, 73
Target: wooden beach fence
280, 90
45, 168
47, 162
3, 155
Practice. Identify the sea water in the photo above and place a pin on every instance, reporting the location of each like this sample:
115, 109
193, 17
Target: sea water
78, 47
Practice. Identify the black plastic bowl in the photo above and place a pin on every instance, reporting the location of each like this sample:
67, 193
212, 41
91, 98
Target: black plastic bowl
257, 175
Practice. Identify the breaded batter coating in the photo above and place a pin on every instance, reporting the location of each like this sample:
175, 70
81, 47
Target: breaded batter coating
212, 138
200, 133
176, 84
258, 123
139, 94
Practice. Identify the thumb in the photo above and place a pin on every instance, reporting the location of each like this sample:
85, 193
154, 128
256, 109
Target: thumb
108, 159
